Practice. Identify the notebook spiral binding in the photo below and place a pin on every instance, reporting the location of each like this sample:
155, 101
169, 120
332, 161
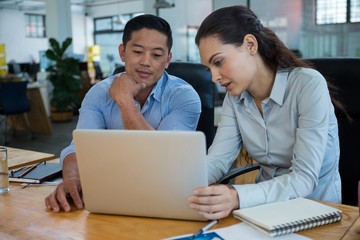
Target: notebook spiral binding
296, 226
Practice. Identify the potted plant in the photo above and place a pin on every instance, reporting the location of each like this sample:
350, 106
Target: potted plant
65, 77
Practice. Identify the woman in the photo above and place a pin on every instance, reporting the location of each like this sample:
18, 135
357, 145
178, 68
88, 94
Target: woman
277, 106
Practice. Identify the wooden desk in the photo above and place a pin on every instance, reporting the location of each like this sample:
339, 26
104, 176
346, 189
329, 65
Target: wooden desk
20, 157
23, 216
354, 231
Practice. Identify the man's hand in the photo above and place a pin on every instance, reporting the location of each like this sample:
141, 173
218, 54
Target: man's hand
69, 189
125, 87
215, 201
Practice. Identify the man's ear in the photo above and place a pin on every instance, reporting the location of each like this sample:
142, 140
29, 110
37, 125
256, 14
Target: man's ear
168, 60
251, 43
121, 50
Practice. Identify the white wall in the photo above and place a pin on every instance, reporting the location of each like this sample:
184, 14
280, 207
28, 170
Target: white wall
81, 31
12, 34
24, 49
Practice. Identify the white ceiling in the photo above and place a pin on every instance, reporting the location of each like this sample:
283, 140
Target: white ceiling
28, 5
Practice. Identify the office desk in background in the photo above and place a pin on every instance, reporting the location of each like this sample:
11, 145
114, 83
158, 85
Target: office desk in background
39, 113
24, 216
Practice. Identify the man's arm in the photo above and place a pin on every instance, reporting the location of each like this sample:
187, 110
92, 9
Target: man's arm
124, 90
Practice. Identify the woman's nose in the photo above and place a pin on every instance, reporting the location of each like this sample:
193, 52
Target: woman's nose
215, 76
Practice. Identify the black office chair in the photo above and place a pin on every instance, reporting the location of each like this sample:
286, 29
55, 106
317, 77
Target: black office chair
98, 71
13, 103
344, 73
199, 78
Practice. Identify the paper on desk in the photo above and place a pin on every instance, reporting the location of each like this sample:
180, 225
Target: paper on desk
53, 182
245, 231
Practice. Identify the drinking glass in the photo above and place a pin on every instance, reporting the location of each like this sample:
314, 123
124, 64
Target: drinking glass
4, 171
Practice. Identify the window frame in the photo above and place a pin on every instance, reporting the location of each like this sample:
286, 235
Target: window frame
350, 12
35, 25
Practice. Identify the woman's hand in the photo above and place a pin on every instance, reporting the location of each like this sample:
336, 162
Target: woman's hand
215, 201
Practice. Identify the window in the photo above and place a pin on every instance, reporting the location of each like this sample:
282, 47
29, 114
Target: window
108, 35
337, 11
35, 25
355, 11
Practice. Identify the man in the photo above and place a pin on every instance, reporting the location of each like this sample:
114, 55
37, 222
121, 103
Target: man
144, 97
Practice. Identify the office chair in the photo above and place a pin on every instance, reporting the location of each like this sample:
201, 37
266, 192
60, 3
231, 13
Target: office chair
344, 73
199, 78
98, 71
13, 103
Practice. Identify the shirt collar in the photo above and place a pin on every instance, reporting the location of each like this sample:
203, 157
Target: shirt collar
278, 90
157, 90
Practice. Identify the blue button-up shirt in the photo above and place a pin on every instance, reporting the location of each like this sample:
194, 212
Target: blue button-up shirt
173, 104
295, 140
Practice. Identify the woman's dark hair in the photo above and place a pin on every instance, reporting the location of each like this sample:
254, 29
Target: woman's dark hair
231, 24
147, 21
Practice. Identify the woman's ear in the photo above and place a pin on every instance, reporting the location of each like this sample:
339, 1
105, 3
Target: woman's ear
251, 43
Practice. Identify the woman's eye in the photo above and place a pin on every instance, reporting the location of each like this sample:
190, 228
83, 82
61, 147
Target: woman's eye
218, 63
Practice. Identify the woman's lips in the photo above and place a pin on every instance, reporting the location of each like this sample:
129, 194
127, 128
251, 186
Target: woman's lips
226, 85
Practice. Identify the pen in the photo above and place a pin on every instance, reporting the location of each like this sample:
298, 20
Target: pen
204, 229
29, 170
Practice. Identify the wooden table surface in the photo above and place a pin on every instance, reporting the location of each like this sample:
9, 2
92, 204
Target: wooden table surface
354, 232
20, 157
24, 216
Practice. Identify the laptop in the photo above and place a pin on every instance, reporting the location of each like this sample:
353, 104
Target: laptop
141, 173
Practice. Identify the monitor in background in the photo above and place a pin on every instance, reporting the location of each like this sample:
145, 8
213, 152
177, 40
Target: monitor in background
14, 68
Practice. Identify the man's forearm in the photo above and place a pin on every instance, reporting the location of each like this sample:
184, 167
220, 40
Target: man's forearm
70, 167
132, 117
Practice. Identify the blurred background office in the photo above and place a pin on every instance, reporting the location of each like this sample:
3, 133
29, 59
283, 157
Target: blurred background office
313, 28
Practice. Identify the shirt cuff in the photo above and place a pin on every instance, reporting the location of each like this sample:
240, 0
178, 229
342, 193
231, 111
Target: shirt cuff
66, 151
250, 195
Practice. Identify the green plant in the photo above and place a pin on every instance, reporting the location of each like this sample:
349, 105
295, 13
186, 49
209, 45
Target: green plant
64, 75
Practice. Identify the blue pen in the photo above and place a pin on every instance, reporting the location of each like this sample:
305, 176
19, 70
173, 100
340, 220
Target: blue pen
204, 229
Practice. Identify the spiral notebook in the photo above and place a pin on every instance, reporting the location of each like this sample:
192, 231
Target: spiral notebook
290, 216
